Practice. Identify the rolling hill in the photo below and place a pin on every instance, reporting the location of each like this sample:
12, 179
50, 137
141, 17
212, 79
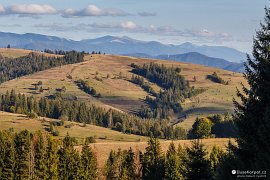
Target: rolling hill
110, 74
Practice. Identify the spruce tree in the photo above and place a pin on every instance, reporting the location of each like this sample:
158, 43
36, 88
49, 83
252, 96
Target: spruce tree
23, 147
253, 113
9, 158
2, 153
51, 159
128, 164
197, 165
89, 163
215, 157
111, 170
40, 153
69, 160
153, 161
172, 164
7, 155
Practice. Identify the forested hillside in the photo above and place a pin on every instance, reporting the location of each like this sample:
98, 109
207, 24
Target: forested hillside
11, 68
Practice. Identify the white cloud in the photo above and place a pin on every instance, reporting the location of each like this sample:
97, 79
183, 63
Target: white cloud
147, 14
128, 25
93, 10
27, 9
203, 35
2, 9
35, 9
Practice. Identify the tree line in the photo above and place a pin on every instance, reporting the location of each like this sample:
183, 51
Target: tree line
175, 89
11, 68
193, 162
83, 85
213, 126
79, 112
38, 155
141, 82
24, 155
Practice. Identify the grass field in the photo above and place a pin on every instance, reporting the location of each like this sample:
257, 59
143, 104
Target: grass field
20, 122
14, 53
109, 75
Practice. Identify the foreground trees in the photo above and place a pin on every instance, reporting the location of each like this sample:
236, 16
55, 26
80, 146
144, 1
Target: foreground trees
37, 156
253, 113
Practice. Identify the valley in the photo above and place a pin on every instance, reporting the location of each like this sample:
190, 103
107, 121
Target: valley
109, 75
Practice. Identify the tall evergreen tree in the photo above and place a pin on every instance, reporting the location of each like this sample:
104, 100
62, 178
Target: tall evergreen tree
7, 155
52, 159
23, 148
172, 164
215, 157
197, 165
253, 113
89, 163
69, 160
40, 154
112, 167
129, 164
153, 161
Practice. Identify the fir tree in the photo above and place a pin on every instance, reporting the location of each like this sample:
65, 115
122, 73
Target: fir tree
23, 148
172, 164
215, 157
40, 153
52, 159
197, 165
128, 164
69, 160
253, 113
89, 163
153, 161
111, 167
7, 158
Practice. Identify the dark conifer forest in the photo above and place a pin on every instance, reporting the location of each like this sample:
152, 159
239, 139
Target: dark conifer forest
11, 68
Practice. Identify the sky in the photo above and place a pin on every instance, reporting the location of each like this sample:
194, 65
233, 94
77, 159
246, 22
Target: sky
231, 23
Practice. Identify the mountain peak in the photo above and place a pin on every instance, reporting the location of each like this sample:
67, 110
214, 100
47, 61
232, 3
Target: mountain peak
116, 45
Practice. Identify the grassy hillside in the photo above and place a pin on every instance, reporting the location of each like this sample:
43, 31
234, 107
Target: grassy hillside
14, 53
20, 122
109, 75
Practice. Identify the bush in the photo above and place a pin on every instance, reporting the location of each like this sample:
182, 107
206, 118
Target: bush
55, 133
32, 115
91, 139
201, 128
215, 78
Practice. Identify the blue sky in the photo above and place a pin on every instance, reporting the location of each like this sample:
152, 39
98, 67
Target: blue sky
212, 22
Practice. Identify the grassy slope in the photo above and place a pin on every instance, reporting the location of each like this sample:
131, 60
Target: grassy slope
14, 53
20, 122
120, 94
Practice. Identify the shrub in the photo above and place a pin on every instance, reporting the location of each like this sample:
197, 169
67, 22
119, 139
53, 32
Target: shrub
90, 139
32, 115
215, 78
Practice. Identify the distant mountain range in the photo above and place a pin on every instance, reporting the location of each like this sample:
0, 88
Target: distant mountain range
216, 56
196, 58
